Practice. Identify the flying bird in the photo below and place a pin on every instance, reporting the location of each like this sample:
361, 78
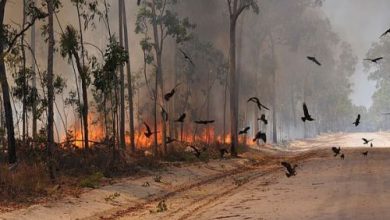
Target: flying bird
170, 94
257, 102
386, 32
245, 131
196, 151
336, 151
223, 152
365, 153
186, 57
374, 60
307, 116
148, 132
263, 119
290, 169
204, 122
260, 135
342, 156
181, 118
366, 141
314, 60
357, 121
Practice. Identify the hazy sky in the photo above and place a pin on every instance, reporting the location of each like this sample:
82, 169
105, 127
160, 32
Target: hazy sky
359, 22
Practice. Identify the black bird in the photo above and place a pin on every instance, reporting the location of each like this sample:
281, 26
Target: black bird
365, 153
170, 94
307, 116
263, 119
357, 121
313, 59
164, 114
223, 152
290, 169
148, 132
366, 141
336, 151
204, 122
371, 145
257, 102
386, 32
260, 135
170, 140
245, 131
181, 118
342, 156
375, 60
138, 2
196, 151
188, 58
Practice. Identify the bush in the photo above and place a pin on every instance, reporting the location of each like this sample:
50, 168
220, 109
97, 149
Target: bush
92, 181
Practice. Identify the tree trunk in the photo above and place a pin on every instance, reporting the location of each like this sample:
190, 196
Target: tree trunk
122, 137
233, 88
34, 84
24, 107
129, 82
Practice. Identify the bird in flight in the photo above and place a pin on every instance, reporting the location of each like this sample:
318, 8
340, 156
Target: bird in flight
181, 118
365, 153
204, 122
375, 60
336, 151
357, 121
260, 135
257, 102
148, 132
170, 94
244, 131
263, 119
314, 60
290, 169
307, 116
186, 57
366, 141
386, 32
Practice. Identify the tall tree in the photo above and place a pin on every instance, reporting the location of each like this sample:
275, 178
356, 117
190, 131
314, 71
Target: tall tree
122, 138
236, 8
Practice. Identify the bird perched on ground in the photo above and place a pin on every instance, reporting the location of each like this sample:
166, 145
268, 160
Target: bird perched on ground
181, 118
170, 94
314, 60
196, 151
204, 122
186, 57
386, 32
365, 153
170, 140
357, 121
257, 102
260, 135
375, 60
263, 119
366, 141
290, 169
371, 145
148, 132
307, 116
245, 131
223, 152
342, 156
336, 151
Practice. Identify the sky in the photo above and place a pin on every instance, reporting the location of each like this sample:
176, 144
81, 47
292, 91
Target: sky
359, 22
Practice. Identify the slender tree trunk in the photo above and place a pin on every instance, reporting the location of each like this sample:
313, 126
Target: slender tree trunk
24, 107
129, 82
233, 88
122, 137
274, 100
34, 85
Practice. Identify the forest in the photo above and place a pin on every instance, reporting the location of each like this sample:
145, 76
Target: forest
99, 88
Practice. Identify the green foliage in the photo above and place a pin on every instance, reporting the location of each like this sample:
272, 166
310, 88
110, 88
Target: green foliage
69, 42
92, 181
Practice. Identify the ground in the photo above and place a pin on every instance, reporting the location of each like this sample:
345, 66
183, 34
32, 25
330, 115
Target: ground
325, 187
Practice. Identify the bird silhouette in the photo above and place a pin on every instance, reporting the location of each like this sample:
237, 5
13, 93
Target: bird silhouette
223, 152
386, 32
357, 121
204, 122
257, 102
181, 118
263, 119
244, 131
314, 60
365, 153
196, 151
260, 135
148, 132
170, 94
371, 145
138, 2
170, 140
164, 114
307, 116
336, 151
366, 141
342, 156
186, 57
290, 169
375, 60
